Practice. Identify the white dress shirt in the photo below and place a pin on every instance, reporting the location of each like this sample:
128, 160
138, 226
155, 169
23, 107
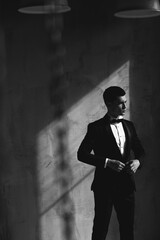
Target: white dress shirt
119, 134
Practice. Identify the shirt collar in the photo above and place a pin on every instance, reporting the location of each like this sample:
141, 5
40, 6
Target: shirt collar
113, 118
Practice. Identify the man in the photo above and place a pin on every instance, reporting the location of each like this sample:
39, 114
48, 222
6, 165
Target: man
114, 142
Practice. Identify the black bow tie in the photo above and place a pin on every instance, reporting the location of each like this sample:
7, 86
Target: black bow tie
113, 121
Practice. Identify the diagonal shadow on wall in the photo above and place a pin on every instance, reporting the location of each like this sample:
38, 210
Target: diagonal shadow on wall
95, 53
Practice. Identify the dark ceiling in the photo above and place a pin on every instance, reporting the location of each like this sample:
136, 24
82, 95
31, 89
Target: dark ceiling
82, 11
91, 11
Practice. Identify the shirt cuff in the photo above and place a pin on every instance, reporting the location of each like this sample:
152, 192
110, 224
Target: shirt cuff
106, 161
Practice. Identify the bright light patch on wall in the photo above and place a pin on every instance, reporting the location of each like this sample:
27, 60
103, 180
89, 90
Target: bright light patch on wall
89, 108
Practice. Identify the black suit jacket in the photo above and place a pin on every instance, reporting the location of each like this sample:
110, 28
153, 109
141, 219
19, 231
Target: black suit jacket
100, 139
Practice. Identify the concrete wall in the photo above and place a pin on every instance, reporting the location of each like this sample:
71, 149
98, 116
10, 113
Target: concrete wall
124, 53
144, 90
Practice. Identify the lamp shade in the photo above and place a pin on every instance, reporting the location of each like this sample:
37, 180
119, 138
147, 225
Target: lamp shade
53, 6
137, 8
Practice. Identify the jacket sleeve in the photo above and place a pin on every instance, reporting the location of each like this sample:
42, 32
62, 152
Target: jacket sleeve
137, 147
87, 145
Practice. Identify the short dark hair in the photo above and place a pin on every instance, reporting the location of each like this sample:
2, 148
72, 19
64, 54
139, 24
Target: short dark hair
110, 94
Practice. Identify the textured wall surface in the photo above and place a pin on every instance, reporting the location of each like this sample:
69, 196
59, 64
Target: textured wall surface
144, 84
123, 53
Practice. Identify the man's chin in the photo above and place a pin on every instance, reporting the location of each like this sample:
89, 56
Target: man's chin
121, 115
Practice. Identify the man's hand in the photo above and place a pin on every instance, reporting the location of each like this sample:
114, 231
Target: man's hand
132, 166
115, 165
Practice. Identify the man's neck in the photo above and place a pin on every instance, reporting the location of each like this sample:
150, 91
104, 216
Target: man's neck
113, 117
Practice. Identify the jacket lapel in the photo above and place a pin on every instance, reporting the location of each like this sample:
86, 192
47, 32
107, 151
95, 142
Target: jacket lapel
128, 138
109, 135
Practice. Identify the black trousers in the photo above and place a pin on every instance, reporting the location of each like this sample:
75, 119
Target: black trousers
124, 205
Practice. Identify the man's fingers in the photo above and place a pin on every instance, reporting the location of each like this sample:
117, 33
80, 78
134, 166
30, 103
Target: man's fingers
116, 165
120, 166
131, 170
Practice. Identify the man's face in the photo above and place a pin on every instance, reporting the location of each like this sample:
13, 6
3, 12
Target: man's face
118, 107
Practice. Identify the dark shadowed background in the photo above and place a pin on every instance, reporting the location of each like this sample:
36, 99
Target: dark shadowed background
98, 51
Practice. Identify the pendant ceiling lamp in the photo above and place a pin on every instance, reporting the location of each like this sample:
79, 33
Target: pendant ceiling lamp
52, 6
137, 8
